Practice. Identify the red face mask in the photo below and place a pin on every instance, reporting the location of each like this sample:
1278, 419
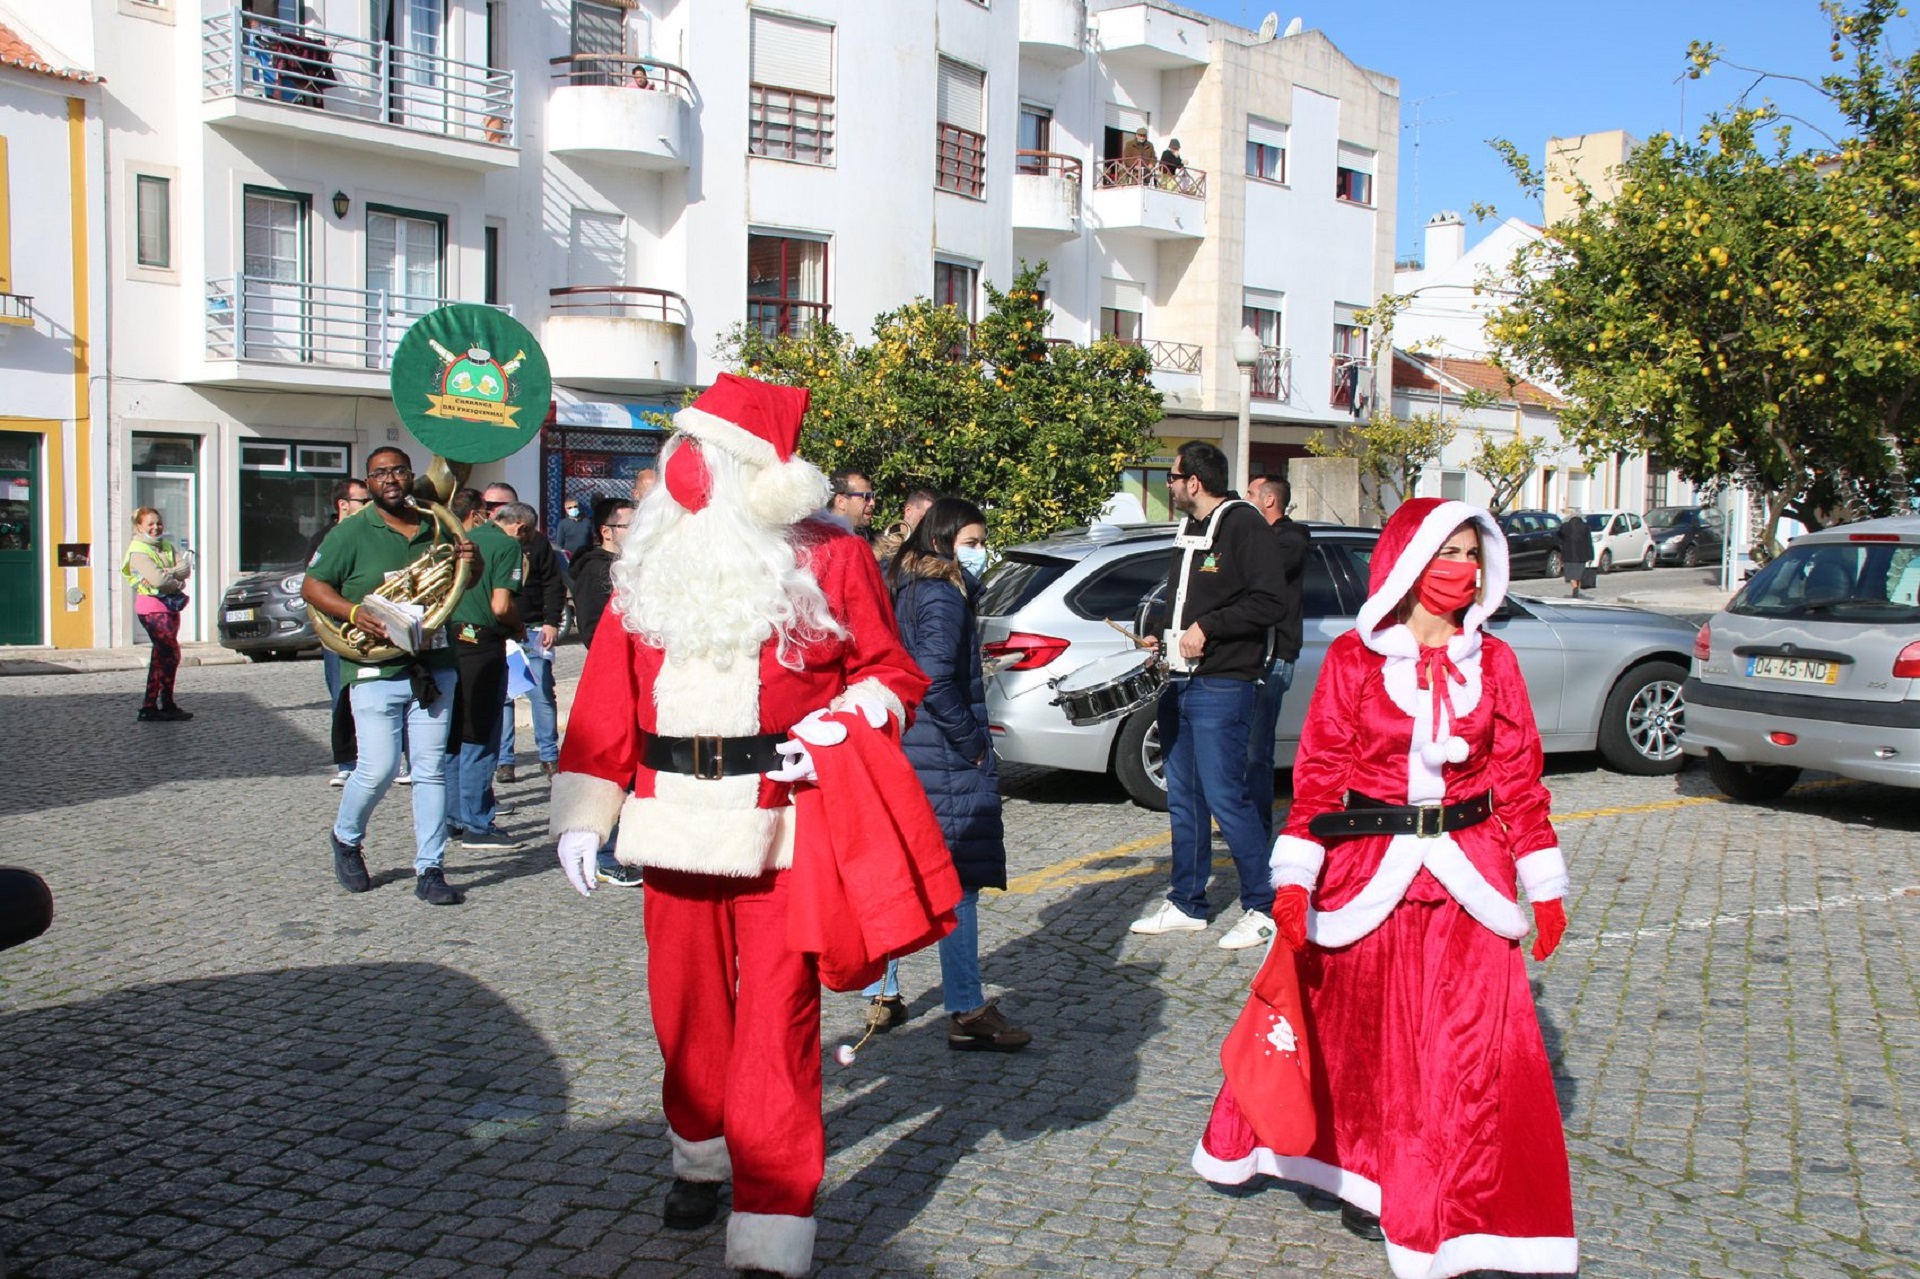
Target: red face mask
687, 477
1447, 586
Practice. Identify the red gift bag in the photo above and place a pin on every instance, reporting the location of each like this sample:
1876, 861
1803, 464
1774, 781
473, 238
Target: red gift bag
1269, 1088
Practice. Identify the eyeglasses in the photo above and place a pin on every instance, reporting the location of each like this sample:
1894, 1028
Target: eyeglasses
491, 506
357, 501
629, 523
1172, 476
391, 472
860, 496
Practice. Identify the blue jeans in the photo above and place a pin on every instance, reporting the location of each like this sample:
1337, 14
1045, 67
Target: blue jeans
959, 961
1266, 719
381, 709
470, 801
546, 715
1204, 724
330, 667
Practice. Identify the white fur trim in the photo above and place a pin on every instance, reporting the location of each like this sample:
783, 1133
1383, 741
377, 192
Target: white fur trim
787, 492
581, 801
1419, 552
1375, 902
710, 428
1349, 1186
700, 1160
742, 842
1544, 873
764, 1241
1470, 888
695, 696
1296, 861
1462, 1254
873, 690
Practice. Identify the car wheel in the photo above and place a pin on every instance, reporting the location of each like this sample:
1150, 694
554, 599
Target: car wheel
1648, 560
1690, 557
1751, 783
1136, 760
1641, 723
1606, 561
1554, 563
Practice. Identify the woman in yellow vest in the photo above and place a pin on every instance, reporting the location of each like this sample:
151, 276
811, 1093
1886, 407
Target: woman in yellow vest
158, 575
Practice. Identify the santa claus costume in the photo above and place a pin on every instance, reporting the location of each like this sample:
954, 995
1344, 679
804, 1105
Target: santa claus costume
734, 618
1434, 1103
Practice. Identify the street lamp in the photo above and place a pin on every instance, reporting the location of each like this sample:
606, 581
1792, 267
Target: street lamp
1246, 354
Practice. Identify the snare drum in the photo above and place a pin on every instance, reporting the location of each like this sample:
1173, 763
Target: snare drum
1111, 687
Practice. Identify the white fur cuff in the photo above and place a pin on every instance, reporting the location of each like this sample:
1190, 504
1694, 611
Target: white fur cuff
1296, 862
700, 1160
872, 690
1543, 874
581, 801
764, 1241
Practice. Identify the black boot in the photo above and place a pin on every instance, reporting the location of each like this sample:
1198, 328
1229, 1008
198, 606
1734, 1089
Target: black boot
1361, 1223
691, 1204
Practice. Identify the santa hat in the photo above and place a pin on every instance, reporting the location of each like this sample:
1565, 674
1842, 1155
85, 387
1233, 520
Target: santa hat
759, 424
1408, 544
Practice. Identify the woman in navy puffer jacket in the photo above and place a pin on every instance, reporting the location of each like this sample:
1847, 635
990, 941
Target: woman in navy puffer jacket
932, 579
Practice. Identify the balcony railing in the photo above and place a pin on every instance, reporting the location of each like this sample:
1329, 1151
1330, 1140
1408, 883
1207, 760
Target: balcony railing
251, 56
1138, 173
15, 309
620, 301
784, 317
960, 161
1048, 163
253, 317
1273, 374
646, 74
787, 124
1167, 357
1352, 384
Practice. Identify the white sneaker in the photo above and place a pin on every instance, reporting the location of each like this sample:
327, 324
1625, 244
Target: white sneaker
340, 777
404, 777
1254, 929
1167, 918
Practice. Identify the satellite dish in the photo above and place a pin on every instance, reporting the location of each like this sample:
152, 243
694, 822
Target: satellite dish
1295, 27
1269, 26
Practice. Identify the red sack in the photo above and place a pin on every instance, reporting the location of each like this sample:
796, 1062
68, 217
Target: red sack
1269, 1086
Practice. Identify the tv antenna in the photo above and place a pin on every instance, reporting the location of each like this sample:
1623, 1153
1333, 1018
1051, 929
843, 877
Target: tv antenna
1420, 122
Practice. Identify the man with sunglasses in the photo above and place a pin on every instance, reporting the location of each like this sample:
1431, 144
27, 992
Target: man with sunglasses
851, 505
1224, 595
415, 690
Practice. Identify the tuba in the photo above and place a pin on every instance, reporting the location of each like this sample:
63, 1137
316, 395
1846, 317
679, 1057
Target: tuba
434, 580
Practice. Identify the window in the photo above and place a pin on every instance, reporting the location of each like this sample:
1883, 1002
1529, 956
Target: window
1115, 323
1353, 176
1115, 592
1350, 340
1036, 137
153, 220
1657, 480
790, 100
599, 41
960, 163
1260, 311
1352, 375
490, 264
597, 249
953, 285
1266, 151
1122, 304
275, 298
285, 494
786, 283
1149, 485
1453, 486
406, 275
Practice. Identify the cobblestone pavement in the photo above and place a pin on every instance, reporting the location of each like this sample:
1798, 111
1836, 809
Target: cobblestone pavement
219, 1064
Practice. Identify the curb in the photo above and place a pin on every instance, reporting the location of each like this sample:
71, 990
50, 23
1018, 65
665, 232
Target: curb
85, 661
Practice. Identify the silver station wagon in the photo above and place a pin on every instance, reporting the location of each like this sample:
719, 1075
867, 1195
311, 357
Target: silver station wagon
1815, 664
1600, 677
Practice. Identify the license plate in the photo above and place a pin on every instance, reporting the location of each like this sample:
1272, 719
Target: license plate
242, 614
1806, 670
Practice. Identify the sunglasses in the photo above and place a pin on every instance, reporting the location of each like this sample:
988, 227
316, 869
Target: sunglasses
1176, 475
864, 497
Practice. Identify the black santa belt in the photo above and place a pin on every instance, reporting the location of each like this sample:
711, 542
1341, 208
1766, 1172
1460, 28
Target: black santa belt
712, 758
1365, 815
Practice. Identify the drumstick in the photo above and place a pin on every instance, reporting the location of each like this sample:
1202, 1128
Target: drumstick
1138, 642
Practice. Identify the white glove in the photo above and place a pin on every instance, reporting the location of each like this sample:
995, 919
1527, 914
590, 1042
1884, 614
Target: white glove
867, 702
579, 852
817, 730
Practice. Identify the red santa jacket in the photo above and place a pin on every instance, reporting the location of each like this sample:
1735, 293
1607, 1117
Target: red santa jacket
737, 825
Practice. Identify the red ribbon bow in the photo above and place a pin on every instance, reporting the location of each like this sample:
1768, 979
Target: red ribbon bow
1433, 670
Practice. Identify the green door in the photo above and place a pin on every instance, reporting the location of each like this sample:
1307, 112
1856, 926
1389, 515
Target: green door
20, 556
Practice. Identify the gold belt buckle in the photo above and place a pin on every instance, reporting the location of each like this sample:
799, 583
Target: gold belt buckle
1438, 812
709, 765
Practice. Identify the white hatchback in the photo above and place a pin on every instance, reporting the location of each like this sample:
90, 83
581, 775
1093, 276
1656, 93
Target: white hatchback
1620, 538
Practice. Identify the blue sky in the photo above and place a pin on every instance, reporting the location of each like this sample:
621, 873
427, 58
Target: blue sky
1551, 68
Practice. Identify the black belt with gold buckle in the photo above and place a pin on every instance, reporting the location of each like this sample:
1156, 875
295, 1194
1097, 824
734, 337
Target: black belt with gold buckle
711, 758
1364, 815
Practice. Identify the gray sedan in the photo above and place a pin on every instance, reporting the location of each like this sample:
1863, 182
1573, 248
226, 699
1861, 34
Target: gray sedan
1600, 677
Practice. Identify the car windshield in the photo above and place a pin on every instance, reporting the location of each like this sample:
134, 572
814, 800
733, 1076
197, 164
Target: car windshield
1596, 522
1670, 517
1015, 580
1838, 581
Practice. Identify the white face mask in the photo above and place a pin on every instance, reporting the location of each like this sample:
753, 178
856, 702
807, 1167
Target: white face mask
972, 558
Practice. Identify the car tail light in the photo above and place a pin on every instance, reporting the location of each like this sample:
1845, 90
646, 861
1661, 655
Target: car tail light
1703, 643
1873, 537
1021, 651
1779, 738
1907, 665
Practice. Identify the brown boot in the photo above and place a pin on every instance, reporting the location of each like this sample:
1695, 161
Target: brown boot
985, 1029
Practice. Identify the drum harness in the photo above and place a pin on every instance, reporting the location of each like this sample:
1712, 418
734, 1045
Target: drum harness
1187, 543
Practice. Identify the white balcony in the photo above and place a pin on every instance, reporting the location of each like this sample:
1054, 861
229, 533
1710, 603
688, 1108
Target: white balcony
633, 112
1149, 201
1053, 32
282, 78
1142, 35
620, 338
1046, 194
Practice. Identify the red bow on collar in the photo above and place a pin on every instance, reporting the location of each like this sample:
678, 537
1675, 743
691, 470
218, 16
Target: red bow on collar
1434, 669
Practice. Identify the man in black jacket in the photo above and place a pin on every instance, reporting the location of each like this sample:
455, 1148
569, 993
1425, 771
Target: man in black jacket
1272, 495
1224, 590
542, 603
592, 569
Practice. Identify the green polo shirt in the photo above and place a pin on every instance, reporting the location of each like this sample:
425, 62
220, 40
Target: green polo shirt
360, 553
498, 568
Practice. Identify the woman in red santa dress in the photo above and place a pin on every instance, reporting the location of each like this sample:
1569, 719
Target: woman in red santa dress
1416, 800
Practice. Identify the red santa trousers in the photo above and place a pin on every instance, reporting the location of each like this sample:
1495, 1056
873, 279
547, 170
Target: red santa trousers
737, 1014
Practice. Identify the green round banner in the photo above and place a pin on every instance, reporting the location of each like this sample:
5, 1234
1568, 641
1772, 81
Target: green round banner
471, 383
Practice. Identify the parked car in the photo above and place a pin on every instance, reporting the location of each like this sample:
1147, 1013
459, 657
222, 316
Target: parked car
1814, 664
1619, 538
1533, 543
1600, 676
1685, 535
263, 616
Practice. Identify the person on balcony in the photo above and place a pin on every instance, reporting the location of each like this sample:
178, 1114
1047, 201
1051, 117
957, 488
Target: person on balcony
1137, 159
1171, 166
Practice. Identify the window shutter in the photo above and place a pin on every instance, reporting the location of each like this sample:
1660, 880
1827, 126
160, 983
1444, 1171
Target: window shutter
597, 249
1123, 295
1125, 119
963, 95
1352, 157
599, 28
1267, 135
790, 54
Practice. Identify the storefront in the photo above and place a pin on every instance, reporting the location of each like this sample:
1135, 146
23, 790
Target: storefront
590, 451
22, 553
